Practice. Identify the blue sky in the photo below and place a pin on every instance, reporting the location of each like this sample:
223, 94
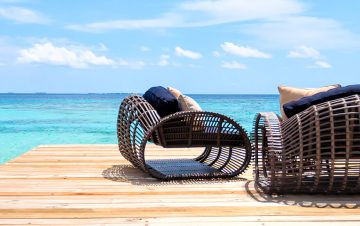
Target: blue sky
220, 46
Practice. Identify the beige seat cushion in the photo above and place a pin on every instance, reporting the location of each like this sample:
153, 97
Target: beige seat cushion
188, 104
174, 92
288, 94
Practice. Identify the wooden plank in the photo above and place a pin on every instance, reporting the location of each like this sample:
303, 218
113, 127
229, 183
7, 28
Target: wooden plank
187, 211
260, 220
93, 184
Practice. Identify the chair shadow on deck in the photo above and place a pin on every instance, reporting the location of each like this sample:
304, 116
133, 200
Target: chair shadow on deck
130, 174
318, 201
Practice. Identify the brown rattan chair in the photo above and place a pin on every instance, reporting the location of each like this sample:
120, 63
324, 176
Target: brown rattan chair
227, 149
315, 151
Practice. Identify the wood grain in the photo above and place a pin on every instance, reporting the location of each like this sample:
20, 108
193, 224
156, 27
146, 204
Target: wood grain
94, 185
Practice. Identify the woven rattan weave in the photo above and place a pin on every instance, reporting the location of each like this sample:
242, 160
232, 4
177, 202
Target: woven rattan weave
315, 151
227, 149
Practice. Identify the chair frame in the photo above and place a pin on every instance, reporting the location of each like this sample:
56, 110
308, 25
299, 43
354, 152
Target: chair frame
227, 149
315, 151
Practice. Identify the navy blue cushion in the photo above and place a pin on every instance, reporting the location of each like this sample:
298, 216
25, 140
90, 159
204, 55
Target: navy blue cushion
297, 106
162, 100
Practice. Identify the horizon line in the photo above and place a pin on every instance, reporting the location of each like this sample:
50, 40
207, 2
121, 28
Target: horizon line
88, 93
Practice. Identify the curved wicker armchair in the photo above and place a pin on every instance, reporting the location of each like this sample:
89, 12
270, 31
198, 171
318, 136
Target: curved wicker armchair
315, 151
227, 149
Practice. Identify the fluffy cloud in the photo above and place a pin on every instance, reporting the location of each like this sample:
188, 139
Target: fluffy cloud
202, 13
47, 53
243, 51
304, 52
323, 64
233, 65
22, 15
187, 53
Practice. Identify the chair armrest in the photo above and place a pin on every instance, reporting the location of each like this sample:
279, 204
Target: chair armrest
139, 109
267, 143
136, 120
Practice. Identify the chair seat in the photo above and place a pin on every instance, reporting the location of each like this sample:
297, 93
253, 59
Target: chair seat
175, 168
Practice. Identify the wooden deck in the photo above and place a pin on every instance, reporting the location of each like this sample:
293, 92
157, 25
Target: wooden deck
94, 185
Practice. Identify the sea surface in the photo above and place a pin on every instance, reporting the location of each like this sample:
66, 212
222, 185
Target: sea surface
28, 120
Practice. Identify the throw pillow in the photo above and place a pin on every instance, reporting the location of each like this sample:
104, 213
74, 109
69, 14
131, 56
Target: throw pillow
162, 100
174, 92
288, 94
302, 104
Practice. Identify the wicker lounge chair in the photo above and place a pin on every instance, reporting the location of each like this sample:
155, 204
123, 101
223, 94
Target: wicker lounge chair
227, 149
315, 151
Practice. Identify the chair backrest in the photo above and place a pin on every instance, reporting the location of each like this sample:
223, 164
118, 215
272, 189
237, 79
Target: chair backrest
327, 130
199, 129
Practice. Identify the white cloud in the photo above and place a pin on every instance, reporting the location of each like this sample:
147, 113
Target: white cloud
187, 53
304, 52
233, 65
297, 30
243, 51
273, 23
202, 13
307, 52
163, 60
163, 22
226, 11
144, 49
22, 15
47, 53
323, 64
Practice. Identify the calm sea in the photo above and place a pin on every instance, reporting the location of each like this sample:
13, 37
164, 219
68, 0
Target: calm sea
28, 120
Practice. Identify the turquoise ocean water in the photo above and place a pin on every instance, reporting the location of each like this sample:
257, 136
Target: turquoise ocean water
28, 120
